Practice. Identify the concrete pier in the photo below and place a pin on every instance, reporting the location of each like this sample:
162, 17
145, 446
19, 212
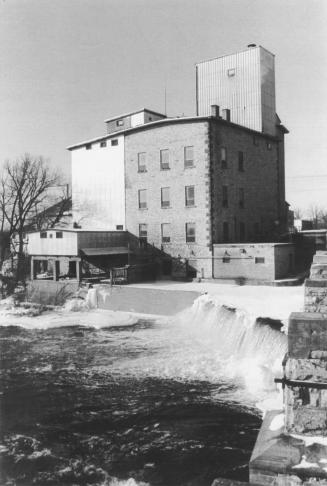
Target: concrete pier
291, 448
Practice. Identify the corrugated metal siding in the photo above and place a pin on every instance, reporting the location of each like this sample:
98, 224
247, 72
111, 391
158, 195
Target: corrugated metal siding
241, 93
267, 63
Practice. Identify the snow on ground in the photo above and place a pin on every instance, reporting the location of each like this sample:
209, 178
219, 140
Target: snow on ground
97, 318
258, 300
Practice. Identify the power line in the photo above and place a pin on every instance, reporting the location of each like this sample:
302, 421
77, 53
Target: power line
306, 176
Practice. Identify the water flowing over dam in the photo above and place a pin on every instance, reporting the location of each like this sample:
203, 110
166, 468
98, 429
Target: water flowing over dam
106, 398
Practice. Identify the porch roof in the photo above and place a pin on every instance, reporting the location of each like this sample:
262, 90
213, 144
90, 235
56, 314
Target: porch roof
114, 250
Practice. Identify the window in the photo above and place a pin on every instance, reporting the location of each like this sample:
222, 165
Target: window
103, 143
164, 159
226, 259
190, 232
242, 231
225, 232
119, 123
189, 196
241, 198
255, 140
231, 72
141, 162
165, 197
165, 232
269, 146
225, 196
241, 161
88, 146
59, 234
143, 233
119, 227
142, 199
189, 156
259, 260
114, 142
223, 157
43, 234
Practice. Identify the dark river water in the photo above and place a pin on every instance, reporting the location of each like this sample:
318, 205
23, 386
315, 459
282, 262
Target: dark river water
147, 402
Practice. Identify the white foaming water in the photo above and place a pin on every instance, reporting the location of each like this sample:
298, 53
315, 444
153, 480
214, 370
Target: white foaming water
212, 343
208, 342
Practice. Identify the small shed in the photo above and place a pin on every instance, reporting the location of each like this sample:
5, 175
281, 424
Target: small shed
264, 262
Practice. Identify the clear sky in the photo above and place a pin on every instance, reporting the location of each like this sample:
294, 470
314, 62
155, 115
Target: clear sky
67, 65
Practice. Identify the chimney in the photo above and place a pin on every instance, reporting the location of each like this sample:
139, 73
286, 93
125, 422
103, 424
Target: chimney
226, 114
215, 111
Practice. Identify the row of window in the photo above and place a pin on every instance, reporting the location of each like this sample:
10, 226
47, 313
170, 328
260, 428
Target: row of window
166, 232
44, 234
227, 259
165, 159
103, 143
223, 159
189, 232
189, 197
226, 233
241, 197
165, 197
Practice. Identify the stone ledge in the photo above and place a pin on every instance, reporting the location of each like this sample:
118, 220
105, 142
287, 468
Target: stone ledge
275, 454
306, 334
309, 282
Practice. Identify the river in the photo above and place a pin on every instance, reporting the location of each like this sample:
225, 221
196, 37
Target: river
101, 398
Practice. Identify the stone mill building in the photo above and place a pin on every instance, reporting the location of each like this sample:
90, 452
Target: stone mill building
188, 186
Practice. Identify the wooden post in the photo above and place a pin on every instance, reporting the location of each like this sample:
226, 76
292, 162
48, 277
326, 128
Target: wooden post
32, 268
78, 270
54, 270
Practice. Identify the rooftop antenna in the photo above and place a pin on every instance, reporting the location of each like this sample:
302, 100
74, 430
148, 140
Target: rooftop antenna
165, 100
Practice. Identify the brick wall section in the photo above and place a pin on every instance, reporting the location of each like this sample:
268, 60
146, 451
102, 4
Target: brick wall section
259, 180
173, 137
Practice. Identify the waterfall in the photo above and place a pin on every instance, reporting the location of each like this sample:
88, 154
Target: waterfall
249, 346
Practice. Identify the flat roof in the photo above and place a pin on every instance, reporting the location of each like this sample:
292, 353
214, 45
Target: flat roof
234, 54
134, 113
114, 250
164, 121
313, 231
241, 245
76, 230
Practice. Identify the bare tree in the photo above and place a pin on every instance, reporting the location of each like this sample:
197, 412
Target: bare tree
50, 214
24, 186
298, 213
315, 213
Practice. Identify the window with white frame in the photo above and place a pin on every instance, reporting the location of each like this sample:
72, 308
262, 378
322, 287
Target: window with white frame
190, 232
165, 233
189, 156
165, 197
189, 196
141, 162
142, 199
164, 159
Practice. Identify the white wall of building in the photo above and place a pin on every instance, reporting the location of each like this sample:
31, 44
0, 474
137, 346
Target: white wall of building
244, 83
98, 187
51, 245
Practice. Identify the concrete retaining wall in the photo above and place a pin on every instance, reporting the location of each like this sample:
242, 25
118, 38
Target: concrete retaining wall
145, 300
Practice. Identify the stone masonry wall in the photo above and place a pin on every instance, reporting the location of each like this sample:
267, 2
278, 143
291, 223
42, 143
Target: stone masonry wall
259, 179
174, 137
